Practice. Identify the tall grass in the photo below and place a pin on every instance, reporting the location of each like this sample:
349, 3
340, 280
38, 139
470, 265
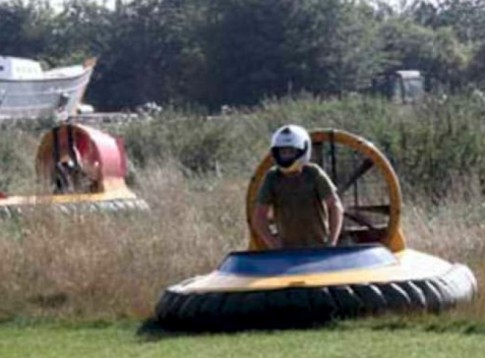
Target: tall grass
116, 265
194, 170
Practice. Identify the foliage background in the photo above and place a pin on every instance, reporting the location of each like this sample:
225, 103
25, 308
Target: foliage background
208, 53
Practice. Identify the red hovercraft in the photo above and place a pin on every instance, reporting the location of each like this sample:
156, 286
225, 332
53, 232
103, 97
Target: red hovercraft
82, 168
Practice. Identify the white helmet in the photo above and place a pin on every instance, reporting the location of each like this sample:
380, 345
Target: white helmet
291, 136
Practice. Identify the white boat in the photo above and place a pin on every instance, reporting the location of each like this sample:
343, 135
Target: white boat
28, 91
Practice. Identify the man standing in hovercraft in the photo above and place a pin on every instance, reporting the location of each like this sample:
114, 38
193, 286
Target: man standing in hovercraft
303, 200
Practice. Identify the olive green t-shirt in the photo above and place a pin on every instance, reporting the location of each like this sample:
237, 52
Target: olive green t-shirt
300, 215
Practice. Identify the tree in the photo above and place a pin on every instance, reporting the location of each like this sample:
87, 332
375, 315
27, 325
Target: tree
24, 28
465, 17
145, 54
81, 29
438, 54
271, 48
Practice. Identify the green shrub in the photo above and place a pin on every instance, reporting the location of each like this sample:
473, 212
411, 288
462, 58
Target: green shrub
17, 155
432, 145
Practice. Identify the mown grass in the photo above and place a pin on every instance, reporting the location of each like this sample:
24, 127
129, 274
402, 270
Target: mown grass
367, 338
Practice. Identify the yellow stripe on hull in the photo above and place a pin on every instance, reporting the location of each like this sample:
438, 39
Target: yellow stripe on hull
412, 265
122, 193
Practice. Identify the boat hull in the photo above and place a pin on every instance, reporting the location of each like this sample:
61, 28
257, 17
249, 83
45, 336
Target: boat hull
41, 98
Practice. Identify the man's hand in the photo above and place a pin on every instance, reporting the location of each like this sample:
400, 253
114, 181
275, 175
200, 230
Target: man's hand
261, 226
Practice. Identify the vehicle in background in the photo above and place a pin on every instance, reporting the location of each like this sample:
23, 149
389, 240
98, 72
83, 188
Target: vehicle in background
404, 86
27, 91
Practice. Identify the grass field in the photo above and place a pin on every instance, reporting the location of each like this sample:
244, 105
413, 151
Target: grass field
368, 338
81, 286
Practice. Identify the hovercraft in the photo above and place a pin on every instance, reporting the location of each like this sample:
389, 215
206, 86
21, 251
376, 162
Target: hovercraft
371, 271
82, 169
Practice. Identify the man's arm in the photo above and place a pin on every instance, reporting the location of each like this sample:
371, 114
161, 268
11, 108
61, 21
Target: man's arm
261, 226
335, 217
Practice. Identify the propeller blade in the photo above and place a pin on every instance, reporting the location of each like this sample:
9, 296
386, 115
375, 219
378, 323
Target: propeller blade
359, 219
360, 171
377, 209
